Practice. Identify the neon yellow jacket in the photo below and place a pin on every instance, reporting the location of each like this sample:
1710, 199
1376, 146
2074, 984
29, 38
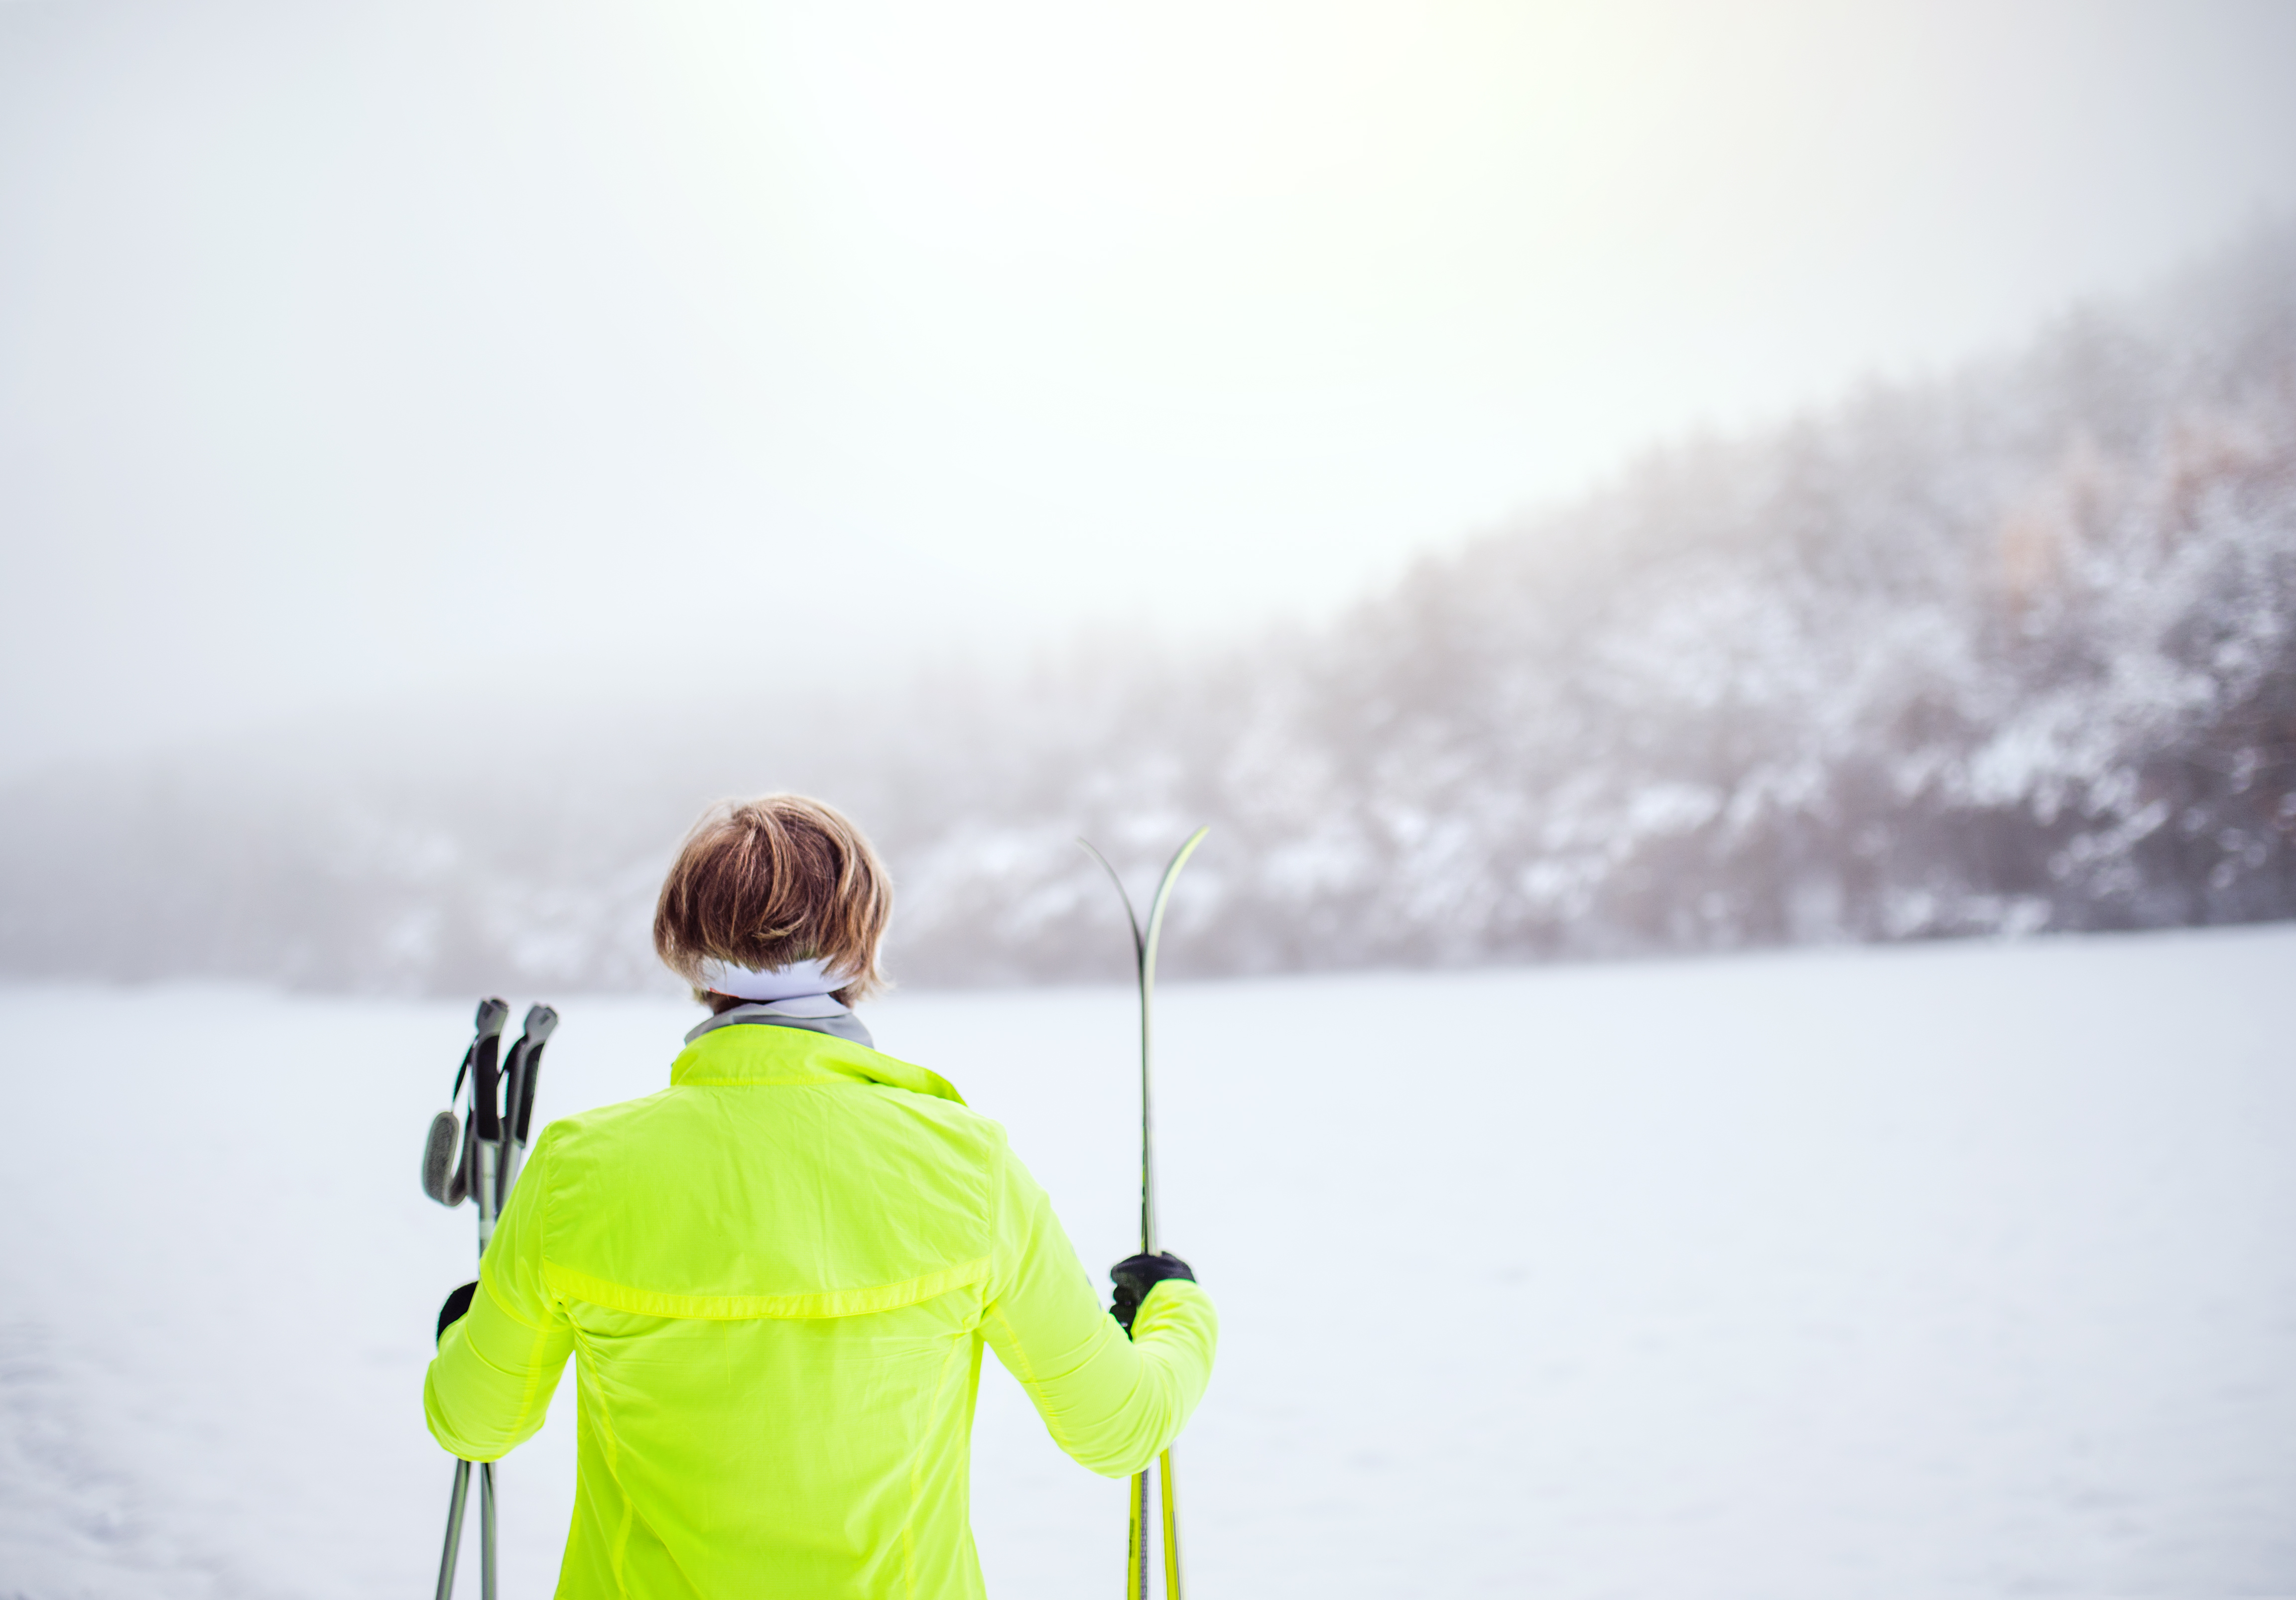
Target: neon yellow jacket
778, 1274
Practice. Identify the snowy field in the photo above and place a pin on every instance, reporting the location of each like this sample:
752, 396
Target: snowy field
1948, 1271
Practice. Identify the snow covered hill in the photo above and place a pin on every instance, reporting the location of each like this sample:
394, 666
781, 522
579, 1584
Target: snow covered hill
1947, 1272
2008, 650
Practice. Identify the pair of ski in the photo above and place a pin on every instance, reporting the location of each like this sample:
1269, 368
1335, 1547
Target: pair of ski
1139, 1517
479, 1159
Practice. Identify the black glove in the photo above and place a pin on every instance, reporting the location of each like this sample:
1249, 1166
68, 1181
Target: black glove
1136, 1276
457, 1307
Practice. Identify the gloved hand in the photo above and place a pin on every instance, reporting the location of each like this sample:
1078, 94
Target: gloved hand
457, 1307
1137, 1274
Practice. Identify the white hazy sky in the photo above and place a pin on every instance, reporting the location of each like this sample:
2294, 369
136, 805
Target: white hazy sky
349, 349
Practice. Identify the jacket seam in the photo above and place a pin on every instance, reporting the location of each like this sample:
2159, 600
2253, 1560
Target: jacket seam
935, 1408
618, 1551
536, 1353
1028, 1379
486, 1281
996, 1198
818, 1307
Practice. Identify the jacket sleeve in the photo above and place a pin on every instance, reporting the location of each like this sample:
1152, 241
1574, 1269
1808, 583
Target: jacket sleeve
1112, 1403
489, 1386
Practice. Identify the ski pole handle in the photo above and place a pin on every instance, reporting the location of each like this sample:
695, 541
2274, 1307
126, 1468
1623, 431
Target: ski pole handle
541, 1022
486, 1076
486, 1114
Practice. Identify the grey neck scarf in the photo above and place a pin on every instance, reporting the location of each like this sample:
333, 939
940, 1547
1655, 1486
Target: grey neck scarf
839, 1023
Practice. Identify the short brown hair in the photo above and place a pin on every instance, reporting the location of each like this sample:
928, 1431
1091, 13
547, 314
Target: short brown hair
763, 882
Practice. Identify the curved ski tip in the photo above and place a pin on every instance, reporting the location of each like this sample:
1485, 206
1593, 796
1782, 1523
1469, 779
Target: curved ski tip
1130, 916
1180, 855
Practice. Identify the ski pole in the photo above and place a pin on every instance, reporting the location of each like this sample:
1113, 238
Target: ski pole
482, 1141
485, 1121
462, 1493
520, 1071
486, 1530
1144, 942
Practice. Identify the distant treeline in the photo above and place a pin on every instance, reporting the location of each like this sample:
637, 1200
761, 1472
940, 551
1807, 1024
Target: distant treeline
2010, 651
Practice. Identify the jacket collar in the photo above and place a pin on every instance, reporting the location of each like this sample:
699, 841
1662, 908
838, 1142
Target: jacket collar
791, 1056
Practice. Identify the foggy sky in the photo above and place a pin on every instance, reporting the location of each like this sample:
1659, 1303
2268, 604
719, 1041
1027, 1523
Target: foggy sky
352, 350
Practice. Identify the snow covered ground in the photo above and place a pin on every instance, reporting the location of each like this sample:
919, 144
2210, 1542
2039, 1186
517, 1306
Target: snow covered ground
1957, 1270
